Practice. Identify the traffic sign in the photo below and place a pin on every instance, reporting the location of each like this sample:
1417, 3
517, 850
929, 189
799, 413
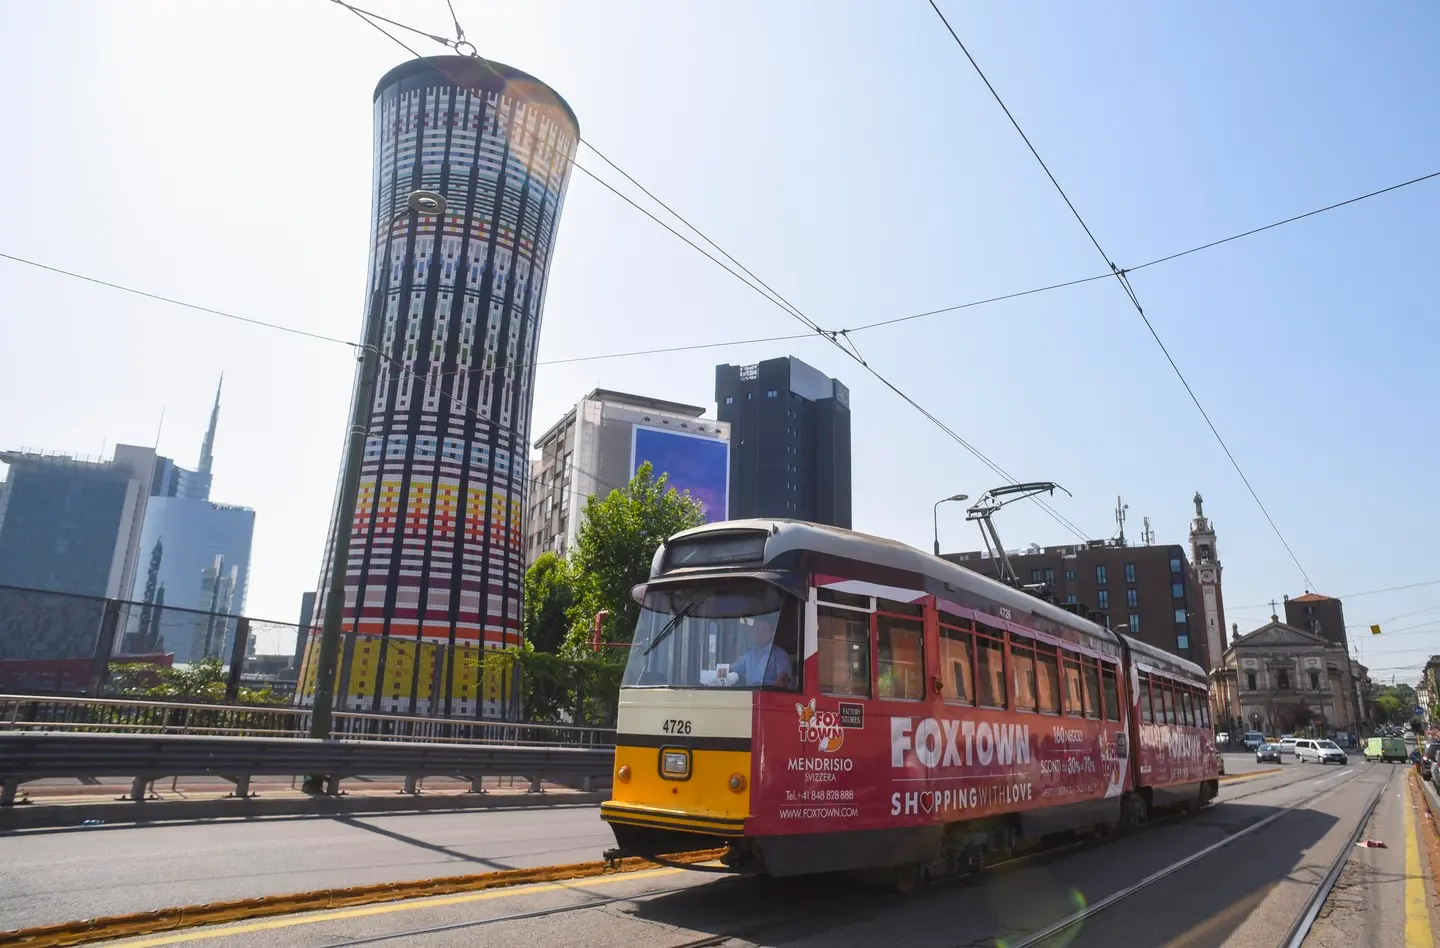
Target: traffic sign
1417, 711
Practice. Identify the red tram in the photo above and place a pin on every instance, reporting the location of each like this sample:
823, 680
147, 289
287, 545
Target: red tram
824, 700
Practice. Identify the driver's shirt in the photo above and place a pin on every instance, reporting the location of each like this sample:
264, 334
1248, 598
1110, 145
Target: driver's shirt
756, 660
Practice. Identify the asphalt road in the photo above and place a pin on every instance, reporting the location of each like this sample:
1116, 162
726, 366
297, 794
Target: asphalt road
61, 875
1243, 895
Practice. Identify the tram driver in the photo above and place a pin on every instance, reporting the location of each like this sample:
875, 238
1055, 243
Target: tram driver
764, 663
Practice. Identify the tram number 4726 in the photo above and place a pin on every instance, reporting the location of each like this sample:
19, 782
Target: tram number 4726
675, 726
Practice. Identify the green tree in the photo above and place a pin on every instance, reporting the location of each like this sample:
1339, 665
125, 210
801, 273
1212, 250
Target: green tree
1392, 709
1403, 692
555, 689
203, 682
614, 546
549, 598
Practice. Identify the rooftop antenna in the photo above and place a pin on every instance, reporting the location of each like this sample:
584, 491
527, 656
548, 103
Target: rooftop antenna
1147, 536
986, 507
1120, 508
207, 448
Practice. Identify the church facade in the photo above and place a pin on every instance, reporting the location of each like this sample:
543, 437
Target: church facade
1280, 679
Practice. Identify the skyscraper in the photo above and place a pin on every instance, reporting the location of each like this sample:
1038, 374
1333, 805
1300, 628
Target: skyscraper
196, 556
72, 525
789, 441
436, 550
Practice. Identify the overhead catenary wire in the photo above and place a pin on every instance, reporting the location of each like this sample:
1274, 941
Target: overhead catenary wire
775, 299
1354, 595
1126, 288
278, 327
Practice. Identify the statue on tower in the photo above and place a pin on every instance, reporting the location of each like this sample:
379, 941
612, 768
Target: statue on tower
1199, 509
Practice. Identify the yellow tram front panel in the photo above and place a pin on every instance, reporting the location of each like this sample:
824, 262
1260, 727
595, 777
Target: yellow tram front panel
682, 760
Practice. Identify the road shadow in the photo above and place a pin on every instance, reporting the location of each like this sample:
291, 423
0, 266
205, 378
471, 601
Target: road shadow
1198, 907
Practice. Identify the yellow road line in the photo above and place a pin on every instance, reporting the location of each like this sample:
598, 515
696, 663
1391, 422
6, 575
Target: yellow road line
1418, 933
139, 924
317, 918
1225, 778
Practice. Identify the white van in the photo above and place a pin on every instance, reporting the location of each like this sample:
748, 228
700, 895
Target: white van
1287, 743
1309, 751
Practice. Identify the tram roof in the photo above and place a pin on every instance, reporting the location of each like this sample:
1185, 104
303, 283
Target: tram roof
787, 535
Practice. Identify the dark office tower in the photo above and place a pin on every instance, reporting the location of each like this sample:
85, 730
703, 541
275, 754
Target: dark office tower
436, 545
789, 441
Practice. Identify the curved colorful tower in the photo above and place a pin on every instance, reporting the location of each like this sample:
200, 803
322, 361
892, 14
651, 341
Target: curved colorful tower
436, 560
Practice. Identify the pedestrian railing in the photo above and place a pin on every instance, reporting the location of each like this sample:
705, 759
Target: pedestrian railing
148, 757
78, 715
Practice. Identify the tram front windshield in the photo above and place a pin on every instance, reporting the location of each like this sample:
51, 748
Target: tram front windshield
716, 634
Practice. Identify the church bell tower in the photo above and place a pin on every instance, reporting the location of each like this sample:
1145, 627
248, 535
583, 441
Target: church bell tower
1206, 561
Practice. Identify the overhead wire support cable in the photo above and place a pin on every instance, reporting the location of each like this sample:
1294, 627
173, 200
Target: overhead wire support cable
775, 299
174, 302
1125, 286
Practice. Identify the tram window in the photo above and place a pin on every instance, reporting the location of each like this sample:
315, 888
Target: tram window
1022, 660
1112, 696
954, 621
900, 608
1047, 679
844, 645
843, 598
955, 664
1074, 689
1189, 704
900, 658
1204, 699
1091, 671
1167, 699
990, 666
1146, 717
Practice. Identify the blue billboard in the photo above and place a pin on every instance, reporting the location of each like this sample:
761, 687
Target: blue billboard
693, 463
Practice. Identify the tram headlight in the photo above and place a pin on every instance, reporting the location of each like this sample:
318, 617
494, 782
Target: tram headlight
623, 773
737, 783
675, 763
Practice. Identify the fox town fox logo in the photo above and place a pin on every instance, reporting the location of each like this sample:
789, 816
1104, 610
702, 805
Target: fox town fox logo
820, 727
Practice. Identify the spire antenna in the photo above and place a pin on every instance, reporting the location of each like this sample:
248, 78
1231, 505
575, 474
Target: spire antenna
207, 450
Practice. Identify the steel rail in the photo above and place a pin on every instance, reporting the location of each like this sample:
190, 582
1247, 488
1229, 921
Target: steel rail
1306, 919
1075, 918
518, 916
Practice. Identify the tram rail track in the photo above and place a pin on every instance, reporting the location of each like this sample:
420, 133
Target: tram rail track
1299, 928
216, 914
1306, 920
849, 901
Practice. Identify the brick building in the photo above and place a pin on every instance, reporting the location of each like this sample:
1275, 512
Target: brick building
1152, 592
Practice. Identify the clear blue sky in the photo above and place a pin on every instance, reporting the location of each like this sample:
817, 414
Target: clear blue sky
847, 153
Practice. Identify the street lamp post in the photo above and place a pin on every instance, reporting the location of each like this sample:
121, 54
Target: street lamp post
935, 515
430, 204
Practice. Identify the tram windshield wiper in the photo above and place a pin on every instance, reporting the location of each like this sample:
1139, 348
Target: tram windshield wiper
669, 627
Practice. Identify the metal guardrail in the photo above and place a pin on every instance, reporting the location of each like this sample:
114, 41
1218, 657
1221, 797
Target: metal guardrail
146, 758
30, 713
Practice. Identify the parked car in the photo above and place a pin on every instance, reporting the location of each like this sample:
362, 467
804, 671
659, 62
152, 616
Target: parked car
1427, 762
1319, 752
1270, 752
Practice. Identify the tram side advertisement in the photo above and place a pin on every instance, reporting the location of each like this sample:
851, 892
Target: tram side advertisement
832, 764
